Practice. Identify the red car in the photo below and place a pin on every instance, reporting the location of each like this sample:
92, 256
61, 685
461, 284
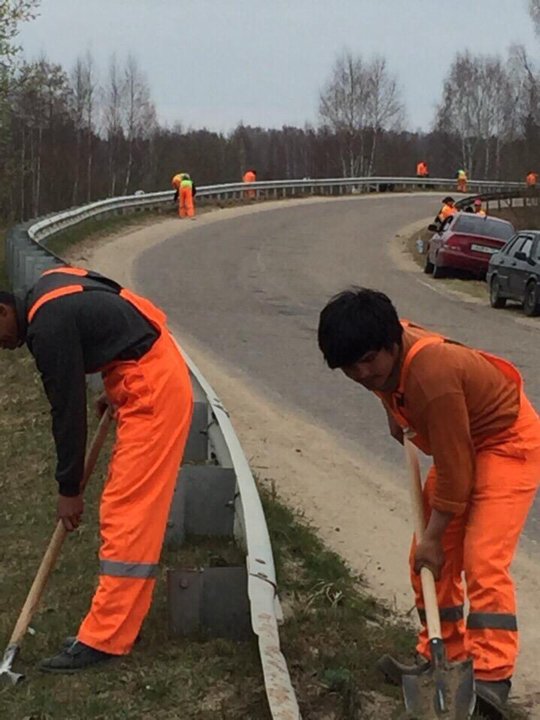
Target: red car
466, 242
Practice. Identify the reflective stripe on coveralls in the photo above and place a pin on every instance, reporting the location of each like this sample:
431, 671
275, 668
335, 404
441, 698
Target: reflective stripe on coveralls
482, 541
152, 397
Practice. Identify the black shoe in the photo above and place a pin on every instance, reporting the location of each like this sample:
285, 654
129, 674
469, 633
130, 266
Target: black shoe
68, 642
491, 698
393, 670
74, 658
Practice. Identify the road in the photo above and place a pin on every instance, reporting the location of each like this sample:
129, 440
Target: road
250, 288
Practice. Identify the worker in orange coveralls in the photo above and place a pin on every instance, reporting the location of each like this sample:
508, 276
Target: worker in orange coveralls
448, 208
422, 170
176, 182
477, 208
462, 180
186, 206
531, 179
468, 410
76, 322
250, 176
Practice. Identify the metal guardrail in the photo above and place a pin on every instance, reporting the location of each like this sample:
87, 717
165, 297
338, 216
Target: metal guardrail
27, 257
52, 224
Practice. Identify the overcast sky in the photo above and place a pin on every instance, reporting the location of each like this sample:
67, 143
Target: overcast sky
214, 63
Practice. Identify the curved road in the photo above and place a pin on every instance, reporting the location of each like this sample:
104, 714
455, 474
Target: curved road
268, 274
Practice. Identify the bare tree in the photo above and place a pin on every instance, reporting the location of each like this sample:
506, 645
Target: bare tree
343, 108
140, 114
360, 101
113, 105
534, 12
385, 109
84, 88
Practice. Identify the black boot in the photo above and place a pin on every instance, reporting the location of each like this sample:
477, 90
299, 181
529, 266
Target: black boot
70, 639
393, 670
491, 698
74, 658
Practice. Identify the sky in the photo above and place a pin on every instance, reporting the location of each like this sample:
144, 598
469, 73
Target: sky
216, 63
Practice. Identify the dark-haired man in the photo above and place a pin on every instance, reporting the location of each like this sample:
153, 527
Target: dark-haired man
468, 410
76, 322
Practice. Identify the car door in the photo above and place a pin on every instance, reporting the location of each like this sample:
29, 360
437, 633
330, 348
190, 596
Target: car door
437, 239
520, 266
502, 263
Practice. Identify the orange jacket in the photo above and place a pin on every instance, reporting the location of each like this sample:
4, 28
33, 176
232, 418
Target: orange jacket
446, 211
249, 176
422, 169
532, 179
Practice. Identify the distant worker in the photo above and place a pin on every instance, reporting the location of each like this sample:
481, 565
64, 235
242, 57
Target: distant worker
422, 170
175, 182
250, 176
448, 208
477, 206
461, 181
186, 206
531, 179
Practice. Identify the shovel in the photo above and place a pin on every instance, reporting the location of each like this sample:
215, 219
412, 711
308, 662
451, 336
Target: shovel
47, 564
446, 689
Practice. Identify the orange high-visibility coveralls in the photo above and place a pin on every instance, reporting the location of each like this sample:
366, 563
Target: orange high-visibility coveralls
462, 181
153, 401
248, 177
176, 182
186, 207
531, 179
446, 211
480, 541
422, 169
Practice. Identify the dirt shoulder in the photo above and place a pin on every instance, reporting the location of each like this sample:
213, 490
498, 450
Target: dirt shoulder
312, 468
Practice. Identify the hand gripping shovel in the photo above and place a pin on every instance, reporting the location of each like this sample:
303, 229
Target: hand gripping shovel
445, 690
47, 564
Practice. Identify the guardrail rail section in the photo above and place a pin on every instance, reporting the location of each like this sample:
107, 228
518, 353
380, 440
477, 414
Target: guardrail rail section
216, 494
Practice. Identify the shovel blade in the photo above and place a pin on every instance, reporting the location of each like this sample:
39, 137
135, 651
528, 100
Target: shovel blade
446, 692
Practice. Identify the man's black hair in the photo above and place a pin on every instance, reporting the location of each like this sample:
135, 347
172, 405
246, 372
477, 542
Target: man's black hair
7, 298
355, 322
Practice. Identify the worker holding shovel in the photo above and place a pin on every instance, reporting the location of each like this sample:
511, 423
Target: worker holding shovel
467, 409
76, 322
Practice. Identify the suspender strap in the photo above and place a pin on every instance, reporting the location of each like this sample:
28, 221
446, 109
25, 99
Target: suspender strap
59, 292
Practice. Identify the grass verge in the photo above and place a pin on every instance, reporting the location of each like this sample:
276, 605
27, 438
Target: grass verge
332, 635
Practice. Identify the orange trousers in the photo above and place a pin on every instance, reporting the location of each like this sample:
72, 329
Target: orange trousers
186, 206
153, 401
461, 186
481, 544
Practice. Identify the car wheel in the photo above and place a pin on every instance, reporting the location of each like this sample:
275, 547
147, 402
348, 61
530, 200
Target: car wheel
531, 306
428, 266
438, 271
495, 299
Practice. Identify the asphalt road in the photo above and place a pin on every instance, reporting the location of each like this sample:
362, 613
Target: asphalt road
251, 288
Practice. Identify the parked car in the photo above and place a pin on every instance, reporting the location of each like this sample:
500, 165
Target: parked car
465, 242
514, 272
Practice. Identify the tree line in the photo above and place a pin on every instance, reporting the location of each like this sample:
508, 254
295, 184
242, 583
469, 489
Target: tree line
72, 136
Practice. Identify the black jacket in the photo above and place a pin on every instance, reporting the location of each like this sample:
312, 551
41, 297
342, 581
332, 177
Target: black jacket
70, 336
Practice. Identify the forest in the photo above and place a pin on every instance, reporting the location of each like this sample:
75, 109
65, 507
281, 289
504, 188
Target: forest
69, 136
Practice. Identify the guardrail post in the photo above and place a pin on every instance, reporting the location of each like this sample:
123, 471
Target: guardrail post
212, 600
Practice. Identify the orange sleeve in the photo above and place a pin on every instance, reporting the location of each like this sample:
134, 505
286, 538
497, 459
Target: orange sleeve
445, 422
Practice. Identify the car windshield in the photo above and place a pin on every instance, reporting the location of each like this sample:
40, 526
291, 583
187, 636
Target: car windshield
486, 226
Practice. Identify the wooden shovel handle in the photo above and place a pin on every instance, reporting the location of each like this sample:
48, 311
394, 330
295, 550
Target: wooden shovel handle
55, 544
428, 581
